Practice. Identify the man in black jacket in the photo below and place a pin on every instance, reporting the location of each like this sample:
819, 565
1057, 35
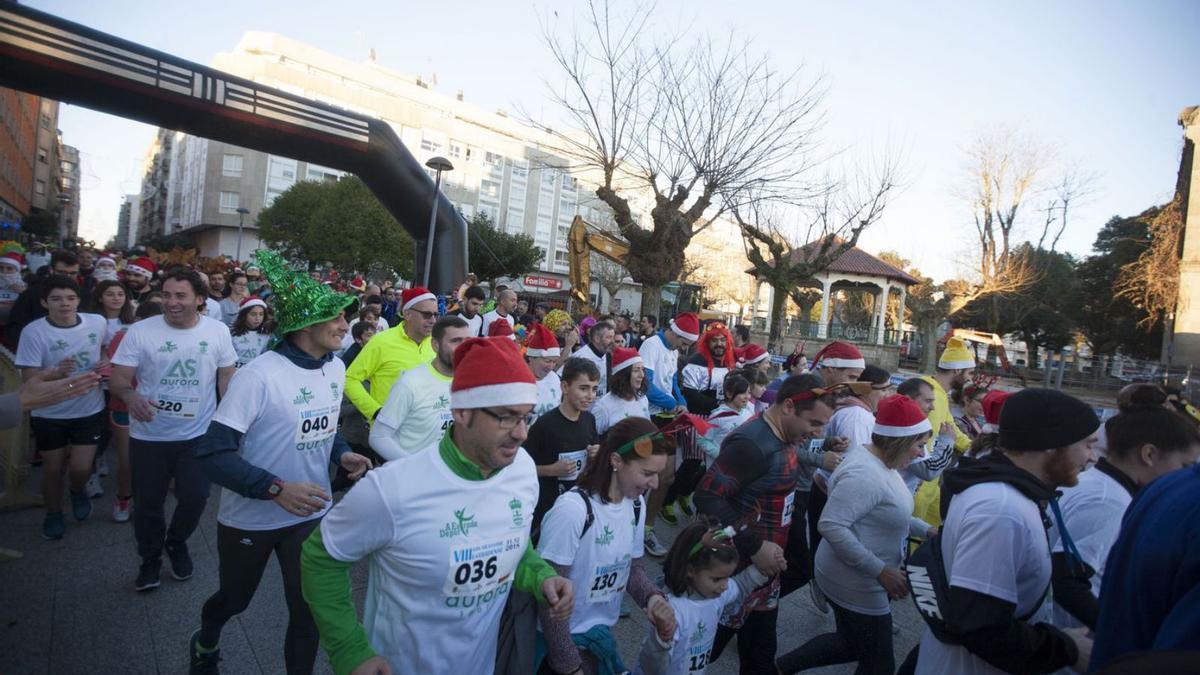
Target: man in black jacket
995, 548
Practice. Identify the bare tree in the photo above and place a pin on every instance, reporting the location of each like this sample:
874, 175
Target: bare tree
787, 256
692, 127
1075, 186
1003, 169
1152, 281
611, 277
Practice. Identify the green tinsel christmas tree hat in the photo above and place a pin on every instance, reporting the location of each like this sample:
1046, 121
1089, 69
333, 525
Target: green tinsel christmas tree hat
299, 300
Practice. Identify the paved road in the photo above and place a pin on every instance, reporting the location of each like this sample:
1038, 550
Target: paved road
69, 607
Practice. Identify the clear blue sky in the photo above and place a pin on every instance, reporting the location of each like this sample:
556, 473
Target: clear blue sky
1103, 82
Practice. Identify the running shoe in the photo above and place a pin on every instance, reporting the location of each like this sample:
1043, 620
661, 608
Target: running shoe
686, 506
121, 510
667, 515
102, 466
147, 578
818, 598
652, 545
204, 662
181, 562
53, 526
93, 487
81, 506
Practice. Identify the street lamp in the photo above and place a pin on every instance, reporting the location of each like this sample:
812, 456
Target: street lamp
242, 211
438, 164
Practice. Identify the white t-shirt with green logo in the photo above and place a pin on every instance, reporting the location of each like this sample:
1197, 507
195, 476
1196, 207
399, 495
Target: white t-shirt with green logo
443, 550
418, 408
696, 621
599, 559
177, 373
289, 416
248, 346
549, 394
44, 345
611, 409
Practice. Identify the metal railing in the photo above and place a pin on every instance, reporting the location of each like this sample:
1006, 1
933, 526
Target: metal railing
835, 330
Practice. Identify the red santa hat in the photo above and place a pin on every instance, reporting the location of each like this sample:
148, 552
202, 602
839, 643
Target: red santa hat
752, 354
686, 326
839, 354
106, 259
490, 373
142, 266
624, 357
541, 342
412, 296
898, 416
252, 302
13, 258
501, 329
993, 403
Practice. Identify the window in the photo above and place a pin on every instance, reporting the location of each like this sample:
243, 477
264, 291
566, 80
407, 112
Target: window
320, 173
547, 178
560, 259
430, 145
489, 188
493, 159
456, 150
42, 157
230, 201
231, 165
470, 153
568, 182
519, 172
45, 121
41, 187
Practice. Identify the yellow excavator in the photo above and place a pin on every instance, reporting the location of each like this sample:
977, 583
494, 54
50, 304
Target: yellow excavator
583, 238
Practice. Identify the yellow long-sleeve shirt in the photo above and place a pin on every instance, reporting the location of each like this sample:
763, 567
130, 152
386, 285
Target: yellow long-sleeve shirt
381, 362
929, 496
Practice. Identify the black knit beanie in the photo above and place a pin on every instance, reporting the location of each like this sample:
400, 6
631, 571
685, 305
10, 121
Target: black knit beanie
1044, 419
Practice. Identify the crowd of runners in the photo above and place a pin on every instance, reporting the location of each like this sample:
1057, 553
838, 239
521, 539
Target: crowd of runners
505, 469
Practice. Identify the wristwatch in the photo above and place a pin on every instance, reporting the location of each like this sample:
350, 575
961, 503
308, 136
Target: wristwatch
275, 488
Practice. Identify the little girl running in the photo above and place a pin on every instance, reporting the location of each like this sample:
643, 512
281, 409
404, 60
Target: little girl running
728, 416
698, 570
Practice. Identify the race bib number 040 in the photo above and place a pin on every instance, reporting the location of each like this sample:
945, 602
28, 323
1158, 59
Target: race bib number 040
316, 424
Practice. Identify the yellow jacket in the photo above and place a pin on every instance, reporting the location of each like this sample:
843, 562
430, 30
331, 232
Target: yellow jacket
927, 503
381, 362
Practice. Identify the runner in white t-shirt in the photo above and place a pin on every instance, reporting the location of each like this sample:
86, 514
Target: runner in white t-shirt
593, 535
248, 331
506, 302
446, 531
181, 361
626, 395
270, 446
598, 350
417, 410
994, 543
62, 343
542, 353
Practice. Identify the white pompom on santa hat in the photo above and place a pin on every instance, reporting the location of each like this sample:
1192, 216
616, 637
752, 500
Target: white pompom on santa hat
686, 326
838, 354
541, 343
490, 373
898, 416
412, 296
624, 357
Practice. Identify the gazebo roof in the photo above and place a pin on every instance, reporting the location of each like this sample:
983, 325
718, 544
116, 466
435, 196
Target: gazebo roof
855, 261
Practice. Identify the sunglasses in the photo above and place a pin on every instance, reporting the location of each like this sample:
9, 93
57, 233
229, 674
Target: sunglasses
428, 316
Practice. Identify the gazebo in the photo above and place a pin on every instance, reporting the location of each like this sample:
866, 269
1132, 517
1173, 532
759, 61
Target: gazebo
854, 272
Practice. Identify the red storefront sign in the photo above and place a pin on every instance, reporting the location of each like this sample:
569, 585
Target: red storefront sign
538, 281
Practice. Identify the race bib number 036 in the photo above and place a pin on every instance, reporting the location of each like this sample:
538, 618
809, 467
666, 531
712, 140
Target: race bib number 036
478, 568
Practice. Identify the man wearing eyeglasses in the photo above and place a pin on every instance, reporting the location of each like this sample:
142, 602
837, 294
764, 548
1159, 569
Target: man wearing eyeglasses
392, 352
447, 534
